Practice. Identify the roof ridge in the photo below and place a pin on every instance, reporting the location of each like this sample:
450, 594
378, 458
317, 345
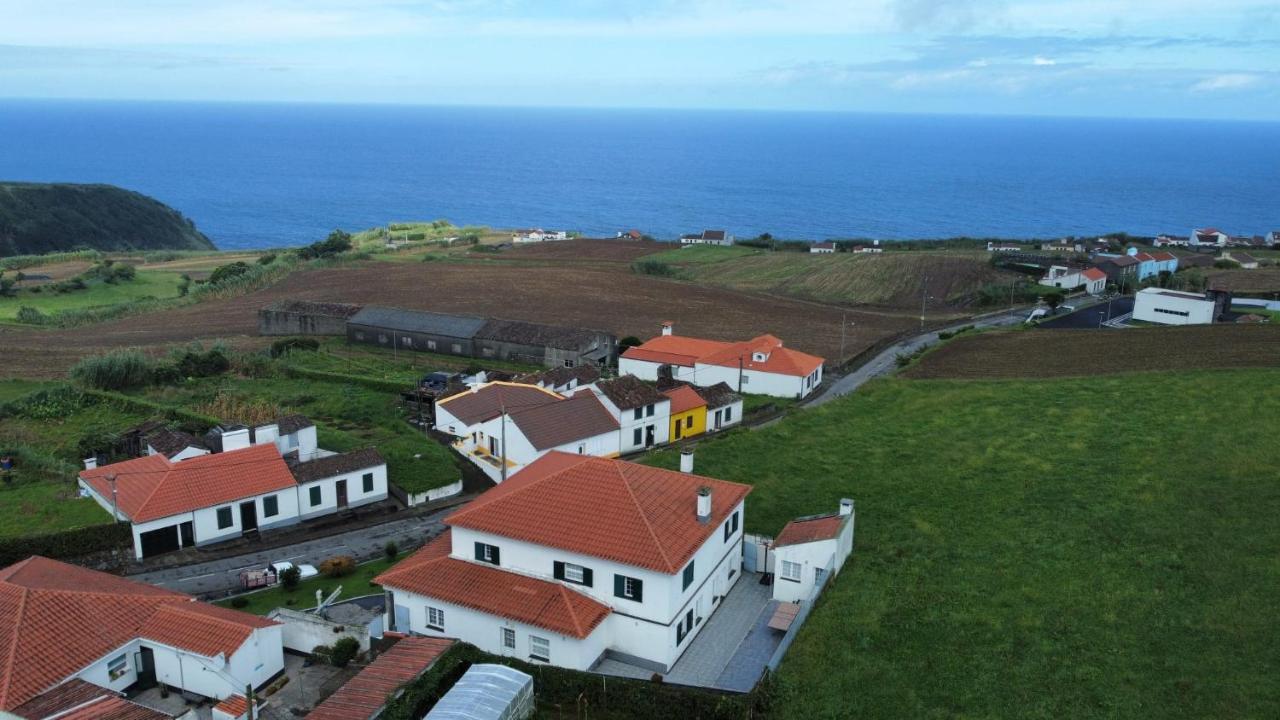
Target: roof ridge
643, 518
573, 615
142, 505
514, 490
6, 682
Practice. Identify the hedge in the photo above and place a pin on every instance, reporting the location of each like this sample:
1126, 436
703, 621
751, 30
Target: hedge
580, 694
148, 407
68, 544
392, 386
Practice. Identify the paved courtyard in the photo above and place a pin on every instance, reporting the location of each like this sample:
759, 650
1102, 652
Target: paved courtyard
306, 687
731, 651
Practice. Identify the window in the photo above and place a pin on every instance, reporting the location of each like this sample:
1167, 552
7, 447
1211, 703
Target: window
431, 344
648, 411
509, 638
366, 482
457, 349
315, 495
270, 506
539, 648
730, 526
628, 588
359, 335
790, 571
435, 619
576, 574
568, 363
817, 575
1173, 312
488, 352
728, 414
688, 422
493, 446
744, 379
382, 338
582, 449
487, 553
406, 341
224, 518
688, 575
117, 668
639, 413
637, 436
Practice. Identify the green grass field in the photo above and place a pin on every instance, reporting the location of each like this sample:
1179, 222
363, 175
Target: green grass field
1080, 548
302, 597
700, 254
160, 285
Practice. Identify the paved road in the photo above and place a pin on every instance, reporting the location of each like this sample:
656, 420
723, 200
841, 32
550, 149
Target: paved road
1092, 317
887, 361
220, 576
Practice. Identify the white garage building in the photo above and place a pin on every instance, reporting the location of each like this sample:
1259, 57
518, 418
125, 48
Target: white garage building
1173, 307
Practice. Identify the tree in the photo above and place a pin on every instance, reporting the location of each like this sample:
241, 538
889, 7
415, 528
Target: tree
224, 273
338, 241
289, 578
629, 341
6, 285
344, 651
391, 550
1053, 300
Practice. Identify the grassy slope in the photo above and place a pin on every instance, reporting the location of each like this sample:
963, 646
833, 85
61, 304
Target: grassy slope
304, 596
1068, 548
160, 285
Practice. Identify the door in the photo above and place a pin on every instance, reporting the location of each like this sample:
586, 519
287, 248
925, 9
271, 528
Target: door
676, 430
144, 661
648, 436
187, 531
156, 542
248, 516
342, 493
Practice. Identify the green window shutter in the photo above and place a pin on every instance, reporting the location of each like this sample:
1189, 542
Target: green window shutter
688, 575
480, 552
639, 586
497, 559
617, 586
586, 577
557, 570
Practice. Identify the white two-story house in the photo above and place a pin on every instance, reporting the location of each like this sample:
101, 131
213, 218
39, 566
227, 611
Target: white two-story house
576, 559
643, 413
760, 366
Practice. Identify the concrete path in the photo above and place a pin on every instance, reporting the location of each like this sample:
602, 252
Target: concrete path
219, 577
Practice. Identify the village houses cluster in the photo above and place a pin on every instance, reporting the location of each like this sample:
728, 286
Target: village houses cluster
575, 557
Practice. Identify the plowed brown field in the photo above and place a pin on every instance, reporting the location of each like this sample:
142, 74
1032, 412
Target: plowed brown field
609, 298
1062, 353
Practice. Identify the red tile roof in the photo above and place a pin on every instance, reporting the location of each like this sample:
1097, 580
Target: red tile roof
364, 695
56, 618
488, 401
612, 509
152, 487
806, 530
1094, 274
114, 707
80, 700
684, 399
685, 351
1163, 256
235, 706
542, 603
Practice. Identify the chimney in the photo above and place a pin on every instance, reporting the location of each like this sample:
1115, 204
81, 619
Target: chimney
704, 504
846, 506
668, 327
235, 438
686, 461
90, 463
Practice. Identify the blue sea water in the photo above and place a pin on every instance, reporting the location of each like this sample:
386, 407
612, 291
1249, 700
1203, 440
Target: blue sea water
263, 175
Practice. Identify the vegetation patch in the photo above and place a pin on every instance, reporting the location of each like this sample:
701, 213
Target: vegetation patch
1023, 549
355, 584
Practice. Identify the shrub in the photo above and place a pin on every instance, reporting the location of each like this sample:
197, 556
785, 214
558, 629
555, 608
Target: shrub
629, 341
254, 365
267, 259
338, 242
195, 361
288, 345
67, 544
322, 653
344, 651
391, 550
289, 578
1224, 264
116, 370
31, 316
239, 602
656, 268
338, 566
228, 272
165, 374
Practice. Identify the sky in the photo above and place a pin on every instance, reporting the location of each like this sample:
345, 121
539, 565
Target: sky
1115, 58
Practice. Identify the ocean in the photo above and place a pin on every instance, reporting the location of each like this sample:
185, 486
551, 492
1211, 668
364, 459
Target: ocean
268, 175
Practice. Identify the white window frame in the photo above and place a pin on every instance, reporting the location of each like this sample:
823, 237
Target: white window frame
118, 667
435, 618
508, 638
628, 587
791, 570
575, 573
534, 642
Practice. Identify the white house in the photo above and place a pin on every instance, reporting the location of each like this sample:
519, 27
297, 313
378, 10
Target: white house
724, 406
1208, 236
220, 496
1003, 247
1246, 261
65, 623
707, 237
1170, 241
643, 413
502, 427
575, 559
1063, 276
1173, 307
807, 549
874, 247
760, 366
538, 235
822, 248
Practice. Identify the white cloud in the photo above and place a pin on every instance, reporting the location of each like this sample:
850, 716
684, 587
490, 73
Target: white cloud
1226, 81
1040, 60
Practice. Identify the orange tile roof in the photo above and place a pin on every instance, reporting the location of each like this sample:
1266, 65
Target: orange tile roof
1164, 256
56, 618
364, 695
611, 509
685, 351
114, 707
153, 487
806, 530
1094, 274
684, 399
76, 699
542, 603
235, 706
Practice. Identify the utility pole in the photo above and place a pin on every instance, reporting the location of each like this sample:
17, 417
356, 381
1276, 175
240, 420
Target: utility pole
115, 504
503, 459
739, 373
924, 297
844, 320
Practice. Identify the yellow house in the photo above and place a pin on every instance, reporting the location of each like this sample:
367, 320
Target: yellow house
688, 412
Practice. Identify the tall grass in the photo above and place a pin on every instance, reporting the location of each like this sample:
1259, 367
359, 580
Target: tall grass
18, 262
117, 370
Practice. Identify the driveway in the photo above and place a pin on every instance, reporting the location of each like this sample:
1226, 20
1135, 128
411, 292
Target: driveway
887, 360
1092, 317
219, 577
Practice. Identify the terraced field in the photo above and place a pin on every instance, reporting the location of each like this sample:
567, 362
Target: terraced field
1067, 353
